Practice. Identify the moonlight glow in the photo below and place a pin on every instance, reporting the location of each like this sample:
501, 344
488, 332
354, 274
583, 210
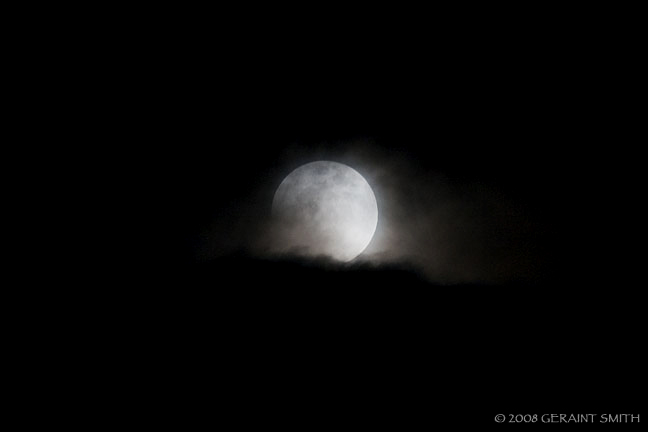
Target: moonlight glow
325, 208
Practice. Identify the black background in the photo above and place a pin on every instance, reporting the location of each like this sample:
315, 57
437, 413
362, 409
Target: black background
199, 109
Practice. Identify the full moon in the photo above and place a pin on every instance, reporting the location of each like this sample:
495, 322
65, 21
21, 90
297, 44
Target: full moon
325, 208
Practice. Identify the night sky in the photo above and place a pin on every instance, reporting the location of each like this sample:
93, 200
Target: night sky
492, 282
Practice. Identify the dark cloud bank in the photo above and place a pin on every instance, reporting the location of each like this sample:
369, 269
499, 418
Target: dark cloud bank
451, 231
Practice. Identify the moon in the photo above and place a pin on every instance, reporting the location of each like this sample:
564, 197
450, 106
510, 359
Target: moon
324, 208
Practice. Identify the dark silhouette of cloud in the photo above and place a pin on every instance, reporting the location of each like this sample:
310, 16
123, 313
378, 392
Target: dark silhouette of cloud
454, 230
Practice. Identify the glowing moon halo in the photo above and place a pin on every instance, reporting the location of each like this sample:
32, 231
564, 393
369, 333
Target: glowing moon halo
325, 208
